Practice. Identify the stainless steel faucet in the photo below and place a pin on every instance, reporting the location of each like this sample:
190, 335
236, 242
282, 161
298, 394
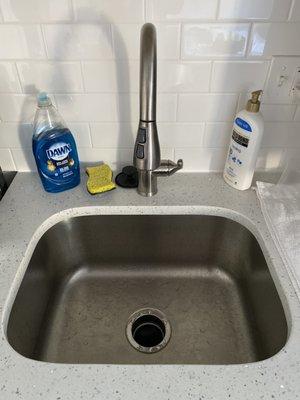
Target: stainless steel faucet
147, 150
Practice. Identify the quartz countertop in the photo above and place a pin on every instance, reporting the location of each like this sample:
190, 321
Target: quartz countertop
27, 211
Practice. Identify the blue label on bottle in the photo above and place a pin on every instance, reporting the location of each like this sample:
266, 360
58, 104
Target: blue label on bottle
57, 160
243, 124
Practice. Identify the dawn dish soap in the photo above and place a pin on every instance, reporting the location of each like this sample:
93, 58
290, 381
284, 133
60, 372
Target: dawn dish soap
244, 146
54, 148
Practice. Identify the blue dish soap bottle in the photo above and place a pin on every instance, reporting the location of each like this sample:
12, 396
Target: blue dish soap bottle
54, 148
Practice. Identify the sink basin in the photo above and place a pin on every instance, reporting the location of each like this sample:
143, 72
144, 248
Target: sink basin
90, 276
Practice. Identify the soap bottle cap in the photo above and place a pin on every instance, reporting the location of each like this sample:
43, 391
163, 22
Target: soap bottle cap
253, 104
43, 100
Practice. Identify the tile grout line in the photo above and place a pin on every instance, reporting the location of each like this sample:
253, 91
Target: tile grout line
212, 64
249, 40
19, 77
82, 77
44, 42
13, 159
293, 3
72, 7
145, 17
217, 14
90, 135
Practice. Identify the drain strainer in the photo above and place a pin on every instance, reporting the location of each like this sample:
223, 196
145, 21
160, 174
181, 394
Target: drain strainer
148, 330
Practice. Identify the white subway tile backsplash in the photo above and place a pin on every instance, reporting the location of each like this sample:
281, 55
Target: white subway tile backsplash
278, 134
128, 107
207, 107
9, 81
24, 159
255, 9
175, 76
179, 77
111, 76
17, 107
275, 39
126, 41
271, 112
78, 41
217, 134
6, 160
58, 77
19, 135
214, 40
113, 135
275, 135
168, 44
107, 107
201, 159
297, 114
126, 38
85, 53
181, 135
180, 10
109, 11
276, 112
166, 107
36, 10
87, 107
15, 135
295, 11
114, 157
167, 153
235, 76
21, 42
81, 133
271, 159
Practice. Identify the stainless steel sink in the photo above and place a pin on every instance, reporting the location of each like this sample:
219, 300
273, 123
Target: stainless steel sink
206, 275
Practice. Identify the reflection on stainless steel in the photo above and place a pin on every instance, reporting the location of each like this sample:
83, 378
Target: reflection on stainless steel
89, 274
147, 150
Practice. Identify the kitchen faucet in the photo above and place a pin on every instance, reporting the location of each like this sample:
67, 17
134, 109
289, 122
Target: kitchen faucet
147, 150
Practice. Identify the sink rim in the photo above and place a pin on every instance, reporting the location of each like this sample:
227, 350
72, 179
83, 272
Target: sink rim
67, 214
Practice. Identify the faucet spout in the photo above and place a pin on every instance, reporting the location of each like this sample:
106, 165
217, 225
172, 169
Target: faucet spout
148, 73
147, 150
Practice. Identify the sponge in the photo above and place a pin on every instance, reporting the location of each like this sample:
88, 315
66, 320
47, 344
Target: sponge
99, 179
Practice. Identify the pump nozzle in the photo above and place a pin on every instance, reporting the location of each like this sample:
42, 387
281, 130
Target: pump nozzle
253, 104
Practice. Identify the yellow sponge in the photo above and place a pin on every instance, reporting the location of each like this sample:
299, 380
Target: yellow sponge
100, 179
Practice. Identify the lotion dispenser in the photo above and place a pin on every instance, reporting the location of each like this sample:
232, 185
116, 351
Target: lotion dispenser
244, 145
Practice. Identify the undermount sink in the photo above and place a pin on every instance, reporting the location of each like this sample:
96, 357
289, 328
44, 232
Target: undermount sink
190, 289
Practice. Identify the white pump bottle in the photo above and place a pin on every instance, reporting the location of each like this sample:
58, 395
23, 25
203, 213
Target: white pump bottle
244, 145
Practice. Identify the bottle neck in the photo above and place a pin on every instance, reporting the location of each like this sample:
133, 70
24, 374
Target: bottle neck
253, 107
47, 118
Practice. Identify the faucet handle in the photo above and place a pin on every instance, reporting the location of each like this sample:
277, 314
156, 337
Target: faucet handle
180, 163
168, 167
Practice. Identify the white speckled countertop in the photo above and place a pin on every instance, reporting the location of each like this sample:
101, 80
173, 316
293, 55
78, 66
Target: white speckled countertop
26, 212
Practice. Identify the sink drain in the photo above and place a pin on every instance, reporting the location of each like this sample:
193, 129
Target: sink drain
148, 330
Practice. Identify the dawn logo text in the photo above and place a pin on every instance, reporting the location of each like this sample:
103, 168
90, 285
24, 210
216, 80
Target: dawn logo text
58, 151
